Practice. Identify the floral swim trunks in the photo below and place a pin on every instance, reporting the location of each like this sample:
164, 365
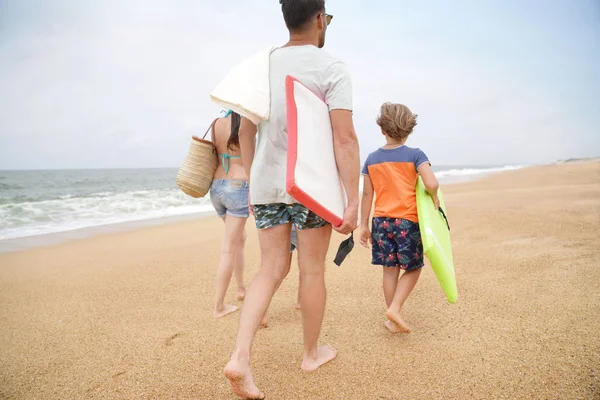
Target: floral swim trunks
397, 243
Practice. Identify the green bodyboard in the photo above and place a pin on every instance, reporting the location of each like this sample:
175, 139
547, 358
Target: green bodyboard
435, 233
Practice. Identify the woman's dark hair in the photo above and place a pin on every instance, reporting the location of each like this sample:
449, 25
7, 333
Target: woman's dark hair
234, 138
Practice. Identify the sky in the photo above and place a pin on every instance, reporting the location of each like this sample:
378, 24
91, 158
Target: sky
125, 84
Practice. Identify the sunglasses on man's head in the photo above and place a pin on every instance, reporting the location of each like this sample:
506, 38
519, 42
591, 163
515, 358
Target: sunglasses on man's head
328, 18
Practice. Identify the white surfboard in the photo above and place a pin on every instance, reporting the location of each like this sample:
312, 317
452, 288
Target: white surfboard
312, 175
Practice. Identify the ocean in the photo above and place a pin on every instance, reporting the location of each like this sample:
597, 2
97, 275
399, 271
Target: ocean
42, 202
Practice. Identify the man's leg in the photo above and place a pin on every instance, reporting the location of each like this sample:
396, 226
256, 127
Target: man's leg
275, 246
312, 249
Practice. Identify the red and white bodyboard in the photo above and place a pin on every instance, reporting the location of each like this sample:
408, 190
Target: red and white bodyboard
312, 174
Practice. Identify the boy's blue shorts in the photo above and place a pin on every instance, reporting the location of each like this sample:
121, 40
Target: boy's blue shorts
397, 243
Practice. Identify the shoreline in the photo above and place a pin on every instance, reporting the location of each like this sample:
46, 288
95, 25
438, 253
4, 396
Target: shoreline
52, 238
49, 239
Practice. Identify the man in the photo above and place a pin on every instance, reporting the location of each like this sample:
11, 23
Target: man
275, 211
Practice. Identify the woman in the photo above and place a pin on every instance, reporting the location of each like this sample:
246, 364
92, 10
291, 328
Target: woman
229, 196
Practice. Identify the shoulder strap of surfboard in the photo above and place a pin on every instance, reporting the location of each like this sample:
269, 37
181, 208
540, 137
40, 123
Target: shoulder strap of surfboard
444, 215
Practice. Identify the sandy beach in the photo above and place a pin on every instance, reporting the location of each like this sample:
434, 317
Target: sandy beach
129, 315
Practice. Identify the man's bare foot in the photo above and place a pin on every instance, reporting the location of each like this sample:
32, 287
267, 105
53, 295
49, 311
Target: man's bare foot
392, 326
264, 323
227, 309
241, 380
324, 355
398, 321
241, 294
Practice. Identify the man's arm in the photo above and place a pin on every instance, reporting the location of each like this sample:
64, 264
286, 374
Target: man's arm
247, 137
347, 157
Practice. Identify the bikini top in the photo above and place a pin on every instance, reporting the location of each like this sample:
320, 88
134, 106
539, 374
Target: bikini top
226, 157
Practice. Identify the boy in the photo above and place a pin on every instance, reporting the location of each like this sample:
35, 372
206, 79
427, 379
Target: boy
391, 174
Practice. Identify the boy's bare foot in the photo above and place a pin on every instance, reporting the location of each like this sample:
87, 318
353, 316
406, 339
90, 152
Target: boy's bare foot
324, 355
227, 309
241, 294
241, 380
392, 327
264, 323
398, 321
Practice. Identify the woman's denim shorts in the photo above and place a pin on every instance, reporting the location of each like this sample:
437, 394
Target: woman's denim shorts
230, 197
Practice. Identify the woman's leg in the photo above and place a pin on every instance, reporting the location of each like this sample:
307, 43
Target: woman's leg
238, 268
234, 228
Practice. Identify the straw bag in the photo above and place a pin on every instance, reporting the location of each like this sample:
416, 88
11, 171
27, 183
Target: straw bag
196, 174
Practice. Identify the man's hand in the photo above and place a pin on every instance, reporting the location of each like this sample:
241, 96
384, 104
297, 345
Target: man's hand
347, 158
350, 220
365, 236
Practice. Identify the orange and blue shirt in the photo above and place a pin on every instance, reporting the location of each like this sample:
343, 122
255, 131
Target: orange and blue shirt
393, 173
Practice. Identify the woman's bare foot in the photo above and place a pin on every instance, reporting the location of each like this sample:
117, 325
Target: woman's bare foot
225, 310
324, 355
264, 323
241, 380
298, 306
398, 321
392, 326
241, 294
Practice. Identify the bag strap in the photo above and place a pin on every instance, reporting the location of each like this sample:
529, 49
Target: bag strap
211, 129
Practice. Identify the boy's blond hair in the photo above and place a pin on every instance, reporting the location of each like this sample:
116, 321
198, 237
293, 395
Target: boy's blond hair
396, 120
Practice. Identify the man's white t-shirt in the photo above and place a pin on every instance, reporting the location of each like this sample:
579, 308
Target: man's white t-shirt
321, 73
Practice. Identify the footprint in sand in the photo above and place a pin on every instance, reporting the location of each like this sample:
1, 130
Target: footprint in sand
170, 339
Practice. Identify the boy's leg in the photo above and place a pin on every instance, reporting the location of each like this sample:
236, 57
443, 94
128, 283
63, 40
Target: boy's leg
390, 282
406, 284
274, 245
312, 249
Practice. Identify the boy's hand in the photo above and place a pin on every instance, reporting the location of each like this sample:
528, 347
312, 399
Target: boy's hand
436, 202
365, 236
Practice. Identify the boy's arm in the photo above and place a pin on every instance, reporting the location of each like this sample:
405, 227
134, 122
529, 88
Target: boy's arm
347, 157
430, 181
365, 211
367, 202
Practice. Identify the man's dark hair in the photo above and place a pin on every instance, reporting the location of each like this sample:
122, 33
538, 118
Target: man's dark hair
297, 13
